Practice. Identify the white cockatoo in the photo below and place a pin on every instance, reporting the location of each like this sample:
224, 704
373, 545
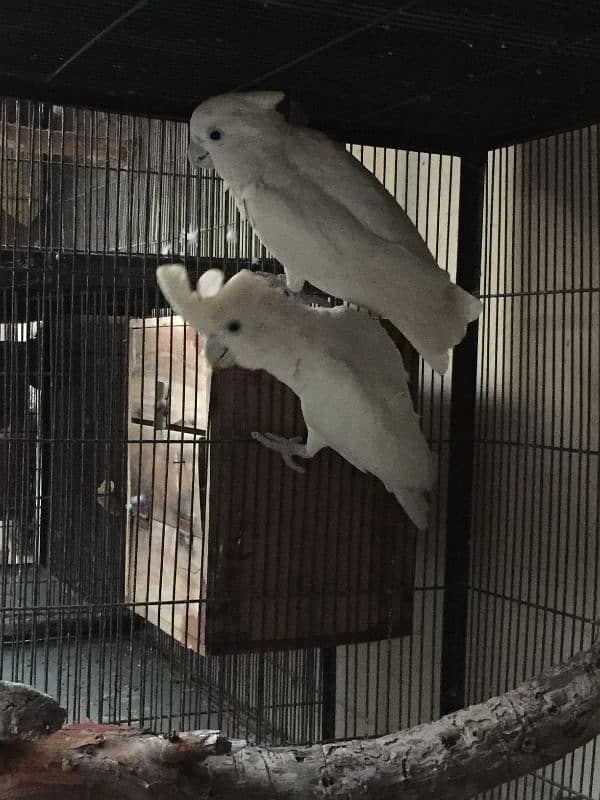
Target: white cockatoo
345, 369
328, 220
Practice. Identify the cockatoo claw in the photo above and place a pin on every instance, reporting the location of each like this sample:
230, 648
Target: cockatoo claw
287, 448
289, 461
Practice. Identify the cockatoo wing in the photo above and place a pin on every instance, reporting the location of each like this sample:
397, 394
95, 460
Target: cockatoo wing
370, 354
359, 403
312, 233
318, 239
340, 176
393, 451
362, 345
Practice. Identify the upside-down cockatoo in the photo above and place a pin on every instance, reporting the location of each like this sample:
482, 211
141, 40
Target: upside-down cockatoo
341, 363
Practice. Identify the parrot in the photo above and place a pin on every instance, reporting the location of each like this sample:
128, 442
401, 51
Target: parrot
339, 361
328, 220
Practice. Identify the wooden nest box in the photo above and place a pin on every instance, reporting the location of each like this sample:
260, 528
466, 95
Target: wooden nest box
229, 550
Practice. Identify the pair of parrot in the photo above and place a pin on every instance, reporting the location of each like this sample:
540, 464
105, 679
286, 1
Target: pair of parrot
329, 222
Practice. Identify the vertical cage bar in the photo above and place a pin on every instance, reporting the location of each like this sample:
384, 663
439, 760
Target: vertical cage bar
328, 688
462, 416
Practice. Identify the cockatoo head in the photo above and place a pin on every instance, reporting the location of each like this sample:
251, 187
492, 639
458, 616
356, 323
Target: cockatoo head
230, 131
231, 316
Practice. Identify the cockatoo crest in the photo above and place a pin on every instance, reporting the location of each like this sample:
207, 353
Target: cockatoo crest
210, 283
230, 315
266, 101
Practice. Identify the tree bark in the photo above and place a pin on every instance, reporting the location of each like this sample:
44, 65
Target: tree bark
25, 712
454, 758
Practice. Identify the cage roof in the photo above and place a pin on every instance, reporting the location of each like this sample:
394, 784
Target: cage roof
426, 74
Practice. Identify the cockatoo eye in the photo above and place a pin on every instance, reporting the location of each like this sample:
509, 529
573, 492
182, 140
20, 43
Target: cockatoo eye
234, 326
216, 134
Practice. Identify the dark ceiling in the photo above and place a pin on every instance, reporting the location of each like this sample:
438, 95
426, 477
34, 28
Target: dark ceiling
426, 74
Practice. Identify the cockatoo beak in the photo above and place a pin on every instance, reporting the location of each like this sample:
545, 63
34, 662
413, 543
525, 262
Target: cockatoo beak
217, 354
198, 156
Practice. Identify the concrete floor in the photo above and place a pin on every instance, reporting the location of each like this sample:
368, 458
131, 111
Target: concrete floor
98, 667
116, 667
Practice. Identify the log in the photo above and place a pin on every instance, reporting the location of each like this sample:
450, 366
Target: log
454, 758
25, 712
106, 761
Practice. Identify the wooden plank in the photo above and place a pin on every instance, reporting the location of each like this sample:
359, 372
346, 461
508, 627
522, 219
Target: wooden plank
305, 598
167, 587
168, 379
164, 480
288, 560
166, 567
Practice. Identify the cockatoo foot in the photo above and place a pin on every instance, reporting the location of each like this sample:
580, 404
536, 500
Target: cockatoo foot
287, 448
274, 281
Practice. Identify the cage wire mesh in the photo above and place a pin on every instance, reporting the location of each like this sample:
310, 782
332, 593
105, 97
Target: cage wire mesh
90, 204
535, 533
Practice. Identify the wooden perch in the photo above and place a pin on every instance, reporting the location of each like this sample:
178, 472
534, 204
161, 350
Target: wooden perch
453, 759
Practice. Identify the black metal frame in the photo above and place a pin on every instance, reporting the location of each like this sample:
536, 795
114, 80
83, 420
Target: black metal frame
328, 682
462, 420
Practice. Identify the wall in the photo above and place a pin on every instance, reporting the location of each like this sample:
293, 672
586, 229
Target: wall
395, 683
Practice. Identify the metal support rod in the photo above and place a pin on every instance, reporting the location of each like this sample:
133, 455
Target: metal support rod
96, 38
462, 417
328, 682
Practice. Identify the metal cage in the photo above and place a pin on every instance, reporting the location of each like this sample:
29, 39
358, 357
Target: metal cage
117, 454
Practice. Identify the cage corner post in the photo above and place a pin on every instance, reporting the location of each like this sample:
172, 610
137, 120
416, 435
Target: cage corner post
461, 444
328, 684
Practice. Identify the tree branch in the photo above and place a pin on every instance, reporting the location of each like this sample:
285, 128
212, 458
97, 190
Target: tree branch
454, 758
